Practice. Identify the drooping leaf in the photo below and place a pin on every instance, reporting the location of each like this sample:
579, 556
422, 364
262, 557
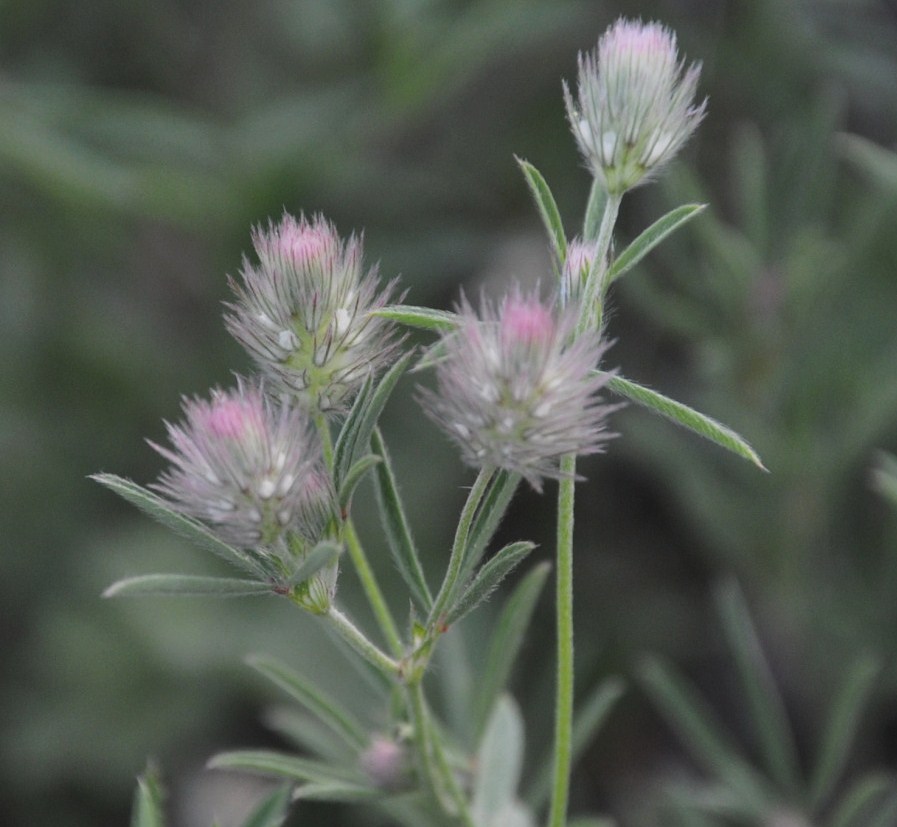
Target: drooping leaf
506, 641
185, 585
683, 415
842, 725
188, 528
398, 534
355, 435
423, 318
763, 700
648, 239
488, 579
548, 210
499, 762
324, 708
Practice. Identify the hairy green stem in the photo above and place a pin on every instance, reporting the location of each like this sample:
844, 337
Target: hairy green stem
459, 547
563, 722
438, 777
350, 633
592, 302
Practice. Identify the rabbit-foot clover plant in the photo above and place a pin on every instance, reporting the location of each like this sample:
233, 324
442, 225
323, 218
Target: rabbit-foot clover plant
264, 474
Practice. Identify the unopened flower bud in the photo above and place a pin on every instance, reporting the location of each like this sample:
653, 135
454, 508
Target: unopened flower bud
579, 261
385, 763
514, 392
241, 464
303, 313
635, 103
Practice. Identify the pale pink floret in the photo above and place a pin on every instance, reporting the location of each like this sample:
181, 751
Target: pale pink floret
305, 244
514, 392
233, 418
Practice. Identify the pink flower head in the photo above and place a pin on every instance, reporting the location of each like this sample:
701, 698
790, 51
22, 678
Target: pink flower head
635, 104
514, 392
242, 465
304, 313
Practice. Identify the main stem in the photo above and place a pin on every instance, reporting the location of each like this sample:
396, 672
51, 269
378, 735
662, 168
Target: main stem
592, 303
563, 722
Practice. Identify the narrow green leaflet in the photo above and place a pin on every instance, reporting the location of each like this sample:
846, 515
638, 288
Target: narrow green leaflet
147, 807
395, 524
489, 515
290, 767
506, 642
322, 707
336, 791
594, 211
648, 239
696, 725
273, 810
548, 210
859, 800
588, 719
323, 554
423, 318
353, 477
185, 585
683, 415
499, 762
488, 579
355, 435
188, 528
763, 700
885, 477
841, 728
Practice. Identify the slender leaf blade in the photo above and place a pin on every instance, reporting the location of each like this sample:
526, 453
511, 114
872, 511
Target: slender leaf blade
192, 530
488, 517
395, 524
354, 476
499, 762
324, 708
841, 727
884, 477
764, 702
595, 207
185, 585
648, 239
322, 555
548, 209
860, 798
273, 810
687, 714
682, 415
282, 765
147, 810
488, 579
339, 792
423, 318
506, 641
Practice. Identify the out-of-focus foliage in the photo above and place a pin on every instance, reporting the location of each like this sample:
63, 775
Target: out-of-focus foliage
138, 143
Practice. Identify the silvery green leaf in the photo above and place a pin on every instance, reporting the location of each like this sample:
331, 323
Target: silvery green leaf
488, 578
322, 555
683, 415
548, 210
354, 476
336, 791
490, 513
185, 585
594, 211
188, 528
884, 477
147, 807
398, 534
499, 763
648, 239
290, 767
424, 318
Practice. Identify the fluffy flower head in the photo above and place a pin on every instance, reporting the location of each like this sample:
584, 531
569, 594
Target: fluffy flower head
246, 467
514, 393
635, 103
303, 313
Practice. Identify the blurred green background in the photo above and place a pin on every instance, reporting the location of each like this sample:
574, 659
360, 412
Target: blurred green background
140, 141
